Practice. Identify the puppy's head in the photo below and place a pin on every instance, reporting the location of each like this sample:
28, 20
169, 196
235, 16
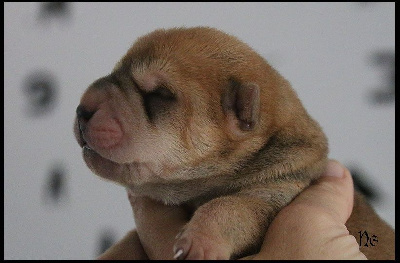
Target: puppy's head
181, 98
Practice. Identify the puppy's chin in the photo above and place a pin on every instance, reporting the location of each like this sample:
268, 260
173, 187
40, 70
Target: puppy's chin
116, 155
100, 165
127, 174
94, 145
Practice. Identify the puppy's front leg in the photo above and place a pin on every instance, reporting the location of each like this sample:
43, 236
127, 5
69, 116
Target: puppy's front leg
157, 225
232, 226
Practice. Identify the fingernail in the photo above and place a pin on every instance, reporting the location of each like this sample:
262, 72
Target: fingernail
178, 253
335, 169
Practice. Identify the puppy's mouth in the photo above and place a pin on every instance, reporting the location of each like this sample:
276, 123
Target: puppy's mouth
81, 140
89, 152
87, 149
104, 166
126, 174
98, 163
98, 130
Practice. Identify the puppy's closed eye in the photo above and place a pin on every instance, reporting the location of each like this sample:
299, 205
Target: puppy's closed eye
157, 101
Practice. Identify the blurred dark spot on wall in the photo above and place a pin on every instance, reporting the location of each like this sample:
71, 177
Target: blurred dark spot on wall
384, 93
50, 10
55, 189
40, 89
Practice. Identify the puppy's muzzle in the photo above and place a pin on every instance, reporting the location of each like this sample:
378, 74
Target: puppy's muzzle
97, 129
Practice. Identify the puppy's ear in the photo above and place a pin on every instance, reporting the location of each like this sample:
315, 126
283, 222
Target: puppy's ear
241, 105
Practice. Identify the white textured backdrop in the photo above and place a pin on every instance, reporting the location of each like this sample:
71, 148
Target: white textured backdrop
338, 57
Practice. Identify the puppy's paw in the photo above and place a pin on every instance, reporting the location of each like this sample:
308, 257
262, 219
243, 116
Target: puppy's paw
198, 245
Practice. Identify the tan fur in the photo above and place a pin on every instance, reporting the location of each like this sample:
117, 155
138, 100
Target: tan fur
225, 136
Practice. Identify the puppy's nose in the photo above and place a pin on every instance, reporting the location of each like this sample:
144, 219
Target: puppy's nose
83, 114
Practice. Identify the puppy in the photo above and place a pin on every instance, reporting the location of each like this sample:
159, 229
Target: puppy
195, 118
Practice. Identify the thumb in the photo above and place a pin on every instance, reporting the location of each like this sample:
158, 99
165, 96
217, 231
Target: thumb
333, 192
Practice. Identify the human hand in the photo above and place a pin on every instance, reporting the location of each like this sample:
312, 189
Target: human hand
312, 226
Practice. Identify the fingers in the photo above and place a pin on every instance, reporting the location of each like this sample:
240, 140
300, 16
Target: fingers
128, 248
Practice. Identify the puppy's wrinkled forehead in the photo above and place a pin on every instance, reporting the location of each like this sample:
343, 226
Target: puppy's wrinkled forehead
184, 43
194, 53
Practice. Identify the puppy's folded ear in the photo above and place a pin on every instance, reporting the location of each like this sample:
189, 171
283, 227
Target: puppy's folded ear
241, 106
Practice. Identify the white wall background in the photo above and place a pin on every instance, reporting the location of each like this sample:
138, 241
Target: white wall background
325, 50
